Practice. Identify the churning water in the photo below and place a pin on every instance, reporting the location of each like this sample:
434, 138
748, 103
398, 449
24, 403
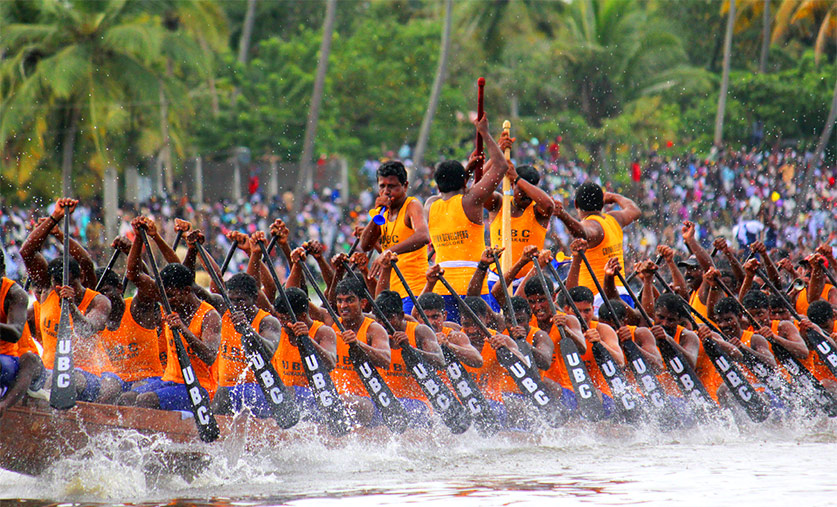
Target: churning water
601, 463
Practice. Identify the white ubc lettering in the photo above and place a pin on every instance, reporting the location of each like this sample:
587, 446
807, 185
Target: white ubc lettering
541, 398
256, 361
64, 346
432, 387
676, 365
276, 395
609, 369
745, 393
584, 391
734, 379
687, 382
530, 385
63, 364
63, 380
311, 362
464, 389
188, 375
518, 370
454, 372
473, 406
267, 379
319, 381
639, 366
195, 394
579, 375
203, 415
326, 399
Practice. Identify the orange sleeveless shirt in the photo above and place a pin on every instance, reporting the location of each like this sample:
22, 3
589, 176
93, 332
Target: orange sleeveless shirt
344, 375
507, 383
802, 299
397, 376
413, 265
132, 349
525, 230
593, 367
91, 361
611, 246
8, 348
203, 371
287, 361
231, 362
558, 369
458, 242
489, 375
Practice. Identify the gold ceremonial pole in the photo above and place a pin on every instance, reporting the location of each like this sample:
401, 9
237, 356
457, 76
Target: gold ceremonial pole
506, 259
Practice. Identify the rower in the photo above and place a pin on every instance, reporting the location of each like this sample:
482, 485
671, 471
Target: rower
237, 387
782, 332
455, 218
448, 333
287, 359
404, 230
367, 334
816, 288
397, 375
21, 368
669, 316
88, 309
821, 314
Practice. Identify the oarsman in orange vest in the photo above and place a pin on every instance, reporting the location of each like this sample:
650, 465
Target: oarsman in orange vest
237, 386
455, 221
287, 360
21, 368
397, 375
602, 231
670, 317
782, 332
199, 326
817, 288
821, 314
366, 334
404, 231
88, 309
448, 333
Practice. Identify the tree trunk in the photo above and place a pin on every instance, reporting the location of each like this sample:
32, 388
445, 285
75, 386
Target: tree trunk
247, 31
213, 91
765, 37
165, 154
824, 137
438, 82
722, 96
69, 146
303, 181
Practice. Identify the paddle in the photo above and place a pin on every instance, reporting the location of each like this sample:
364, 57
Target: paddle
628, 402
453, 414
524, 346
228, 258
552, 410
319, 380
62, 394
109, 267
205, 421
730, 373
478, 140
177, 238
630, 278
469, 393
393, 413
678, 366
283, 407
589, 404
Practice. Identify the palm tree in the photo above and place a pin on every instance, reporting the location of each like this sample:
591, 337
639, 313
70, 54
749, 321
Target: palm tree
438, 82
722, 96
809, 17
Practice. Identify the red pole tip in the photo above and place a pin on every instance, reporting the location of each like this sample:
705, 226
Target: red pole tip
481, 81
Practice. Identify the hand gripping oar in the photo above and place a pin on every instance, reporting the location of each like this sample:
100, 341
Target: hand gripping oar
589, 404
283, 407
469, 393
109, 267
393, 413
453, 414
551, 409
228, 258
648, 382
62, 394
628, 402
678, 367
319, 379
657, 261
730, 373
205, 421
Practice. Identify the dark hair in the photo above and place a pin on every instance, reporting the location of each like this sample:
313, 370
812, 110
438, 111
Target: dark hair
449, 176
431, 301
350, 287
534, 286
108, 277
520, 304
729, 274
820, 312
727, 305
776, 302
529, 174
477, 305
298, 300
755, 300
671, 303
55, 268
579, 294
589, 197
390, 303
177, 276
393, 168
244, 283
619, 307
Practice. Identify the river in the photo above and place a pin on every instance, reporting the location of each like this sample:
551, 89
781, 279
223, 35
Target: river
717, 464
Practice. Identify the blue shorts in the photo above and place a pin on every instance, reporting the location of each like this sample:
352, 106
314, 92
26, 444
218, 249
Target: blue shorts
135, 384
407, 303
92, 385
172, 396
250, 395
9, 366
452, 308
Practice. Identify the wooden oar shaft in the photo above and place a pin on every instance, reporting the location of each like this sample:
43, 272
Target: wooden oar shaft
636, 300
566, 293
616, 319
509, 308
506, 212
109, 267
228, 258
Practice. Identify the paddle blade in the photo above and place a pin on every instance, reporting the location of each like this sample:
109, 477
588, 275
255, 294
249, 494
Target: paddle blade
282, 405
453, 414
204, 419
322, 387
62, 394
392, 411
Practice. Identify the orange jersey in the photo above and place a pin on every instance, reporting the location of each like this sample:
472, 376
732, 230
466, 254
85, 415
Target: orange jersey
344, 375
132, 349
203, 371
489, 375
507, 383
413, 265
397, 376
593, 367
694, 301
231, 362
25, 344
611, 246
90, 361
525, 230
665, 378
816, 365
802, 299
458, 242
287, 360
558, 369
706, 371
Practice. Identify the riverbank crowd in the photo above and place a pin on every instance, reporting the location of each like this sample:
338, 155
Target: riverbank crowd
448, 307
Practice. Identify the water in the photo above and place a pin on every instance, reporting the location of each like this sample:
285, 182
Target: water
717, 464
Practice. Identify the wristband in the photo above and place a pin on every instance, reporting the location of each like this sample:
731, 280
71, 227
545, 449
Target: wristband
517, 179
483, 266
54, 221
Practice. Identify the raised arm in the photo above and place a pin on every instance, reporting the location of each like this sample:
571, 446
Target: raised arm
36, 265
478, 193
701, 255
629, 212
317, 249
678, 281
77, 252
735, 265
574, 226
578, 245
166, 251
